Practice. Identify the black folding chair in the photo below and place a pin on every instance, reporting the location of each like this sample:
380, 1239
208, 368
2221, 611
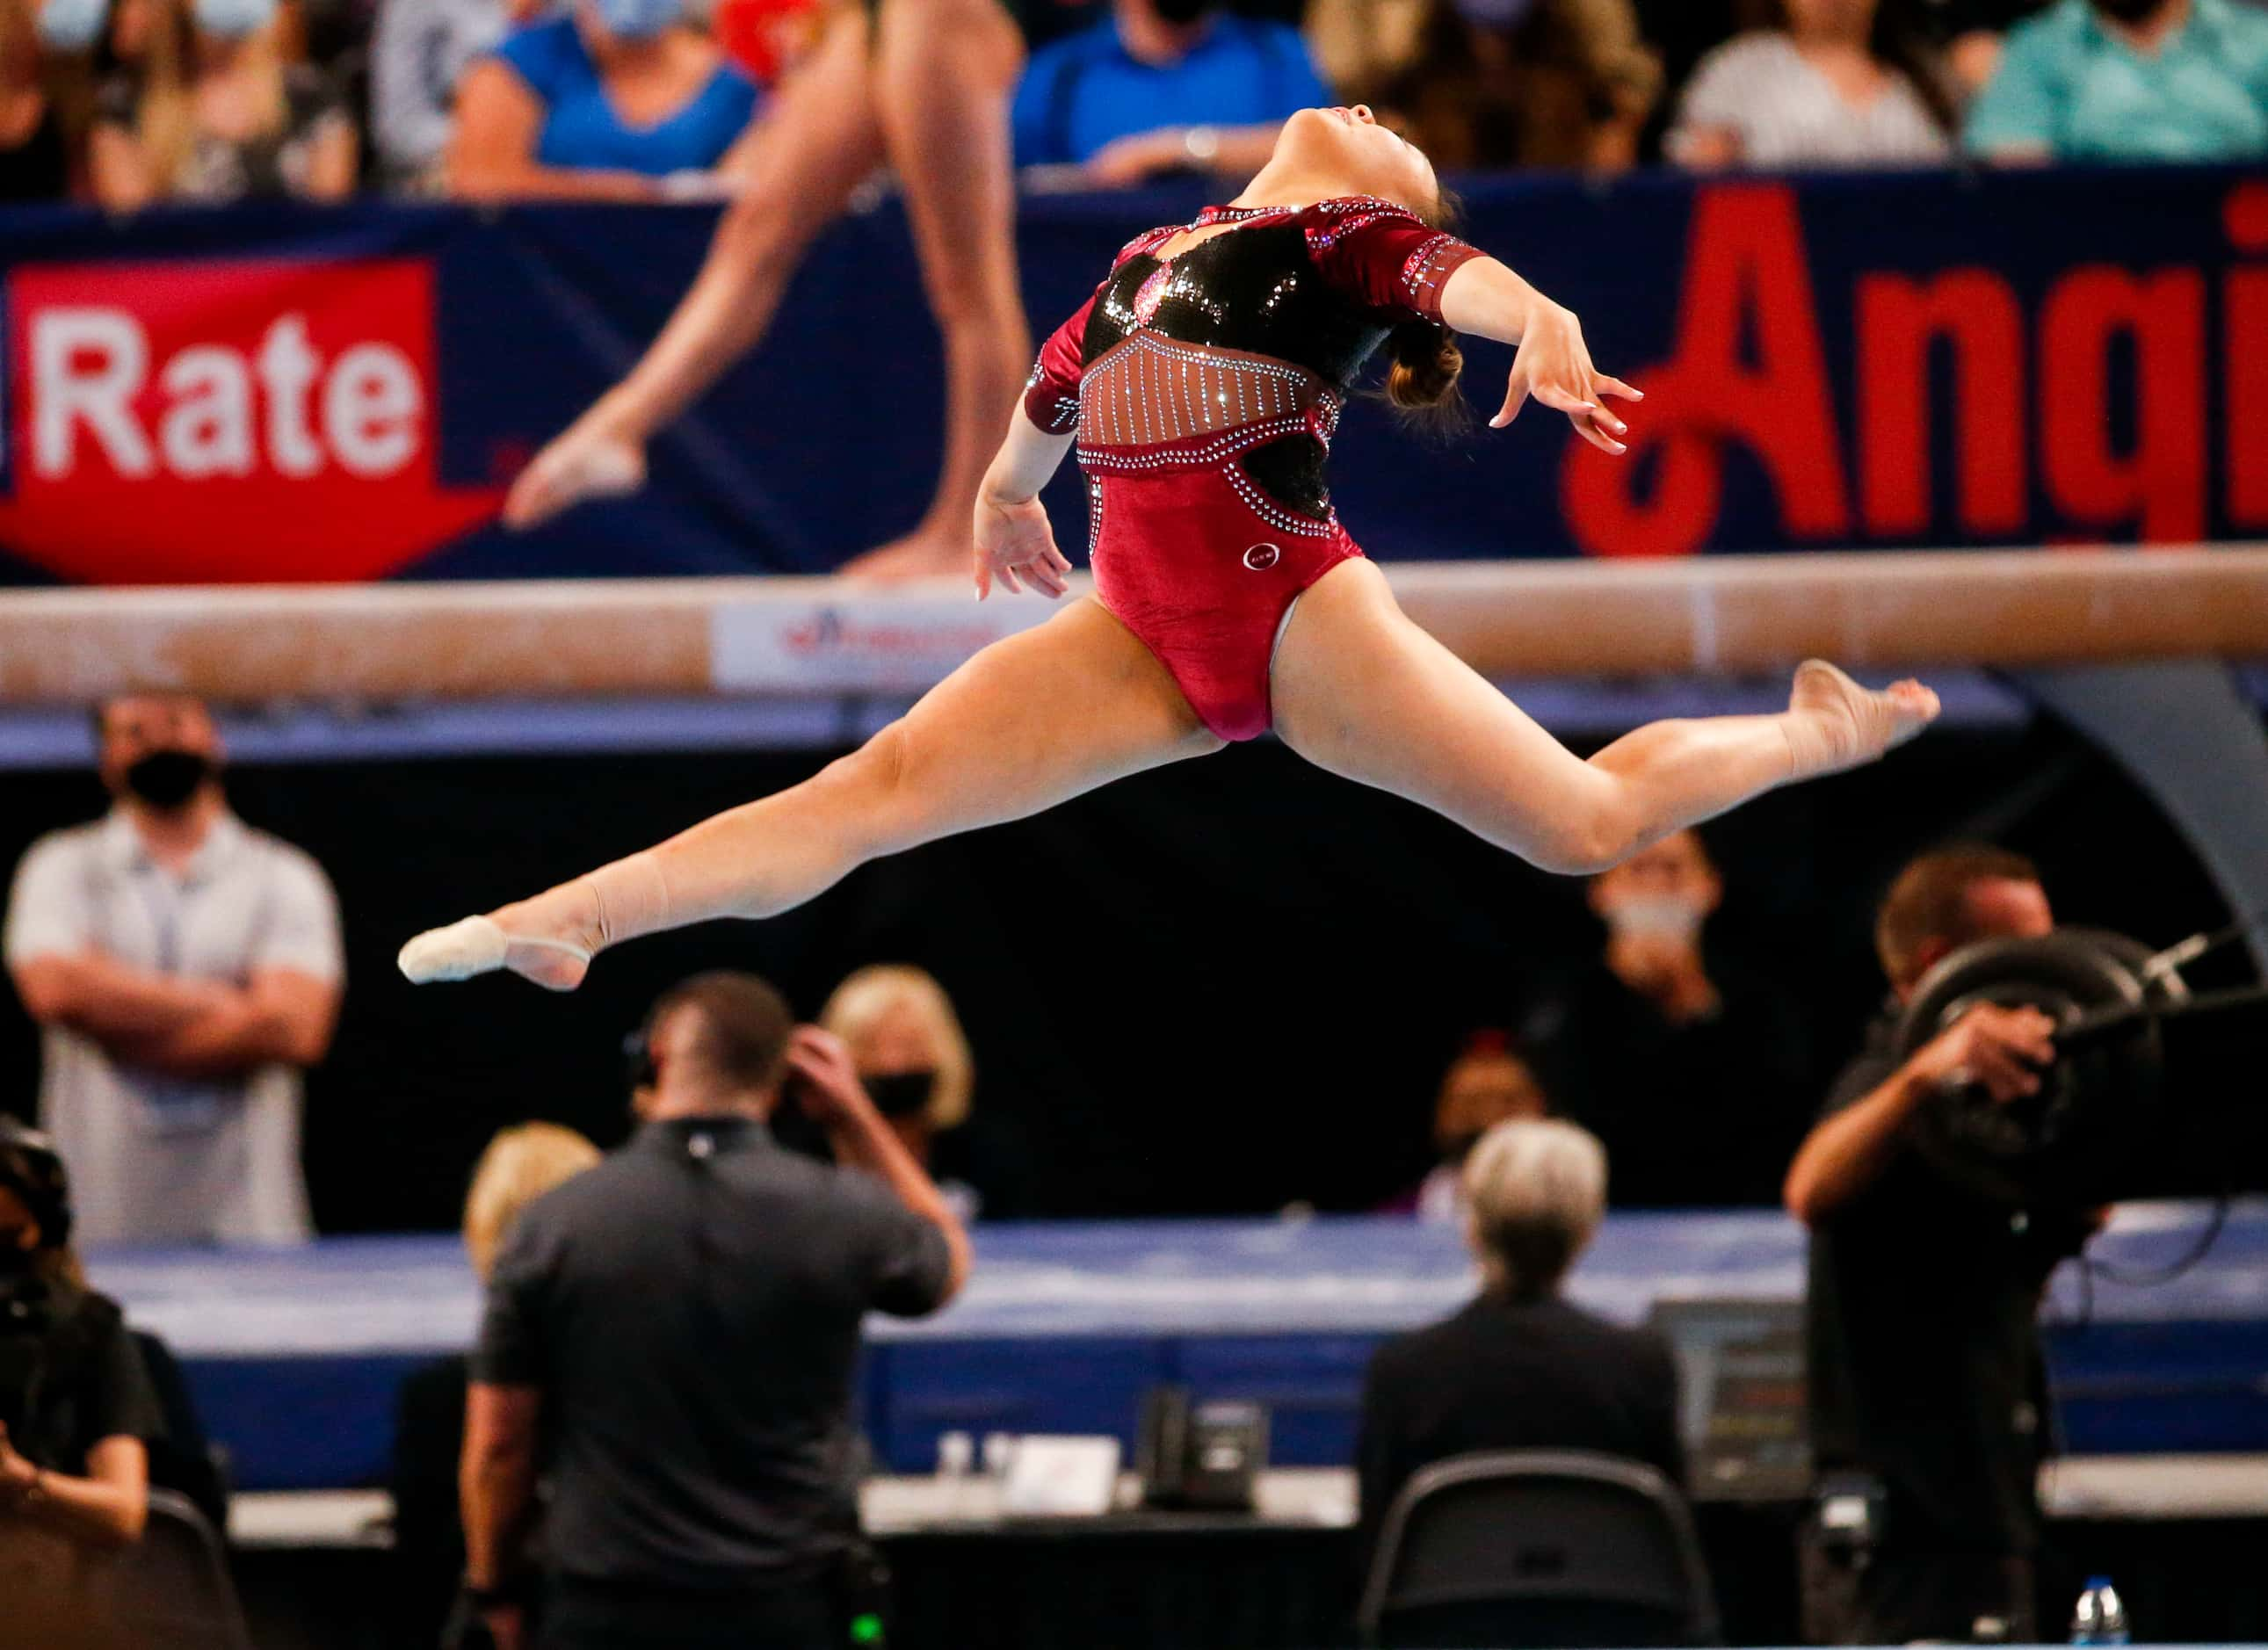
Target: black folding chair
1537, 1547
173, 1587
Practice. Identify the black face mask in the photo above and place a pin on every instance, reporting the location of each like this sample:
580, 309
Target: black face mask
901, 1094
166, 778
1180, 11
2130, 10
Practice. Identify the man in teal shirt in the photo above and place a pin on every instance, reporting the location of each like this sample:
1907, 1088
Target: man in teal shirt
2128, 80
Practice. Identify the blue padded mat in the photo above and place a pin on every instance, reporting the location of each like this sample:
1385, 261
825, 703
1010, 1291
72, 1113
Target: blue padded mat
294, 1355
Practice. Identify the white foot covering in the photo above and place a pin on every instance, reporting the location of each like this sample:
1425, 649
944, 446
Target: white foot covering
464, 949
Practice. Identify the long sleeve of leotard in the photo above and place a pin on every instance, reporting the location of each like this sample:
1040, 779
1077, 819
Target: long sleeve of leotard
1051, 394
1385, 257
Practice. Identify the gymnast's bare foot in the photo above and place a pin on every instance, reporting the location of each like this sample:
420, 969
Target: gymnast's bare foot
549, 939
1832, 723
588, 459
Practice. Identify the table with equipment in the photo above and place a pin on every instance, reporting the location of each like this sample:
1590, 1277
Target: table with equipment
295, 1357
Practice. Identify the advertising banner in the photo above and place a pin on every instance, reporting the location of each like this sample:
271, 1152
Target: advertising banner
288, 394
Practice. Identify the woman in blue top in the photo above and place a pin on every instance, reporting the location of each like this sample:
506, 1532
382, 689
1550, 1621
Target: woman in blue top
617, 101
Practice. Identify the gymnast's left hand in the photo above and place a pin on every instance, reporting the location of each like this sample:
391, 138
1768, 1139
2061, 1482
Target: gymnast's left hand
1015, 545
1554, 365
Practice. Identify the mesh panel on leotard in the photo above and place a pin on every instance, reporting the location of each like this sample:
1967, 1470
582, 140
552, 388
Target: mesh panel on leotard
1151, 390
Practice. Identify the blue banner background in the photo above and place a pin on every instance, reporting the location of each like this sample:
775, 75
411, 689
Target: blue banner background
824, 440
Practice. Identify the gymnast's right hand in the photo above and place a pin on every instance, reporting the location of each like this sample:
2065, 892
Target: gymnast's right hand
587, 460
1015, 543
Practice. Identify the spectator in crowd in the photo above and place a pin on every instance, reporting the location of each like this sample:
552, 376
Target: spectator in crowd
1361, 46
43, 44
913, 1059
1924, 1361
1968, 34
185, 969
1504, 84
214, 113
2128, 80
519, 1166
1521, 1367
1486, 1084
674, 1334
1163, 87
615, 100
419, 51
76, 1408
1836, 83
1690, 1069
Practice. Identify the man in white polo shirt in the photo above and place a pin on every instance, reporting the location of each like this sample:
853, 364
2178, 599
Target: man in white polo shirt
185, 969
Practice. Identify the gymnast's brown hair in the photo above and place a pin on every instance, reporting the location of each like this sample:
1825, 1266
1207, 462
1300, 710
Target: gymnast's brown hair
1421, 382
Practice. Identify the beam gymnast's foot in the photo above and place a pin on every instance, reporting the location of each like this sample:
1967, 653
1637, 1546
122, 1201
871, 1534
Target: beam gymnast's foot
1833, 724
551, 939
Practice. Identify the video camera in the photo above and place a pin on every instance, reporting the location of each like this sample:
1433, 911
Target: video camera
2137, 1055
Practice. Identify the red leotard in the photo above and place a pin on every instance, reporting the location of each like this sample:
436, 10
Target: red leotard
1205, 389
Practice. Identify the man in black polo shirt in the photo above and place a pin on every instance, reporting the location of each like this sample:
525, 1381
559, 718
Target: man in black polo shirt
1925, 1367
670, 1338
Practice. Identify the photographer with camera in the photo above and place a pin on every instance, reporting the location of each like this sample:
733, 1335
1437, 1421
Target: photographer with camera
1927, 1382
76, 1408
671, 1340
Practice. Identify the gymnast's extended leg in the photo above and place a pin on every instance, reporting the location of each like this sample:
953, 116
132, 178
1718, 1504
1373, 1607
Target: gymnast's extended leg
1031, 721
799, 165
1361, 690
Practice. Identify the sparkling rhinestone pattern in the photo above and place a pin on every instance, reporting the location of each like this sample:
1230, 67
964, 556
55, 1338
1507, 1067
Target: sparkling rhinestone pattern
1151, 391
1273, 513
1242, 340
1057, 413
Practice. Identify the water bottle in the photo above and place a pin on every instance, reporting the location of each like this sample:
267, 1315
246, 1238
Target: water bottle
2099, 1616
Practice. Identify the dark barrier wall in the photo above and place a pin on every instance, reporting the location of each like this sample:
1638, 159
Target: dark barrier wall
1938, 359
1217, 988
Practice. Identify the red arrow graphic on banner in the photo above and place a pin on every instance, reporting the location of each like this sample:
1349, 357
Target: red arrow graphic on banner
243, 421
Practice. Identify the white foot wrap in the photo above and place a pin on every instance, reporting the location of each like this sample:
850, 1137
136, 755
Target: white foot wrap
464, 949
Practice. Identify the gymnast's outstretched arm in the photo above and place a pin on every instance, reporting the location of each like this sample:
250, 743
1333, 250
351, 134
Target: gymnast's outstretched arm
1486, 298
1013, 539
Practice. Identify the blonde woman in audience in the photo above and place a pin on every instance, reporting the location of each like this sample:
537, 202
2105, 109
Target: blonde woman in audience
217, 113
1835, 83
519, 1167
913, 1059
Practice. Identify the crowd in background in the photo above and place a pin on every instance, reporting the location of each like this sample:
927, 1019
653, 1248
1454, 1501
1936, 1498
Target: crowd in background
124, 102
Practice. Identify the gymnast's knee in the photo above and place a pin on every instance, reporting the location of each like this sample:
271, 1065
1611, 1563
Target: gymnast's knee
880, 808
1596, 834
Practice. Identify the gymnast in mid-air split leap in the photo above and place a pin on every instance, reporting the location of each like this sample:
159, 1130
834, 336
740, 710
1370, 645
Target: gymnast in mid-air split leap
1202, 383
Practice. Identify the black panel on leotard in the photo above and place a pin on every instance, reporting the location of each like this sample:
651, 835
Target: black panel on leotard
1252, 288
1291, 471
